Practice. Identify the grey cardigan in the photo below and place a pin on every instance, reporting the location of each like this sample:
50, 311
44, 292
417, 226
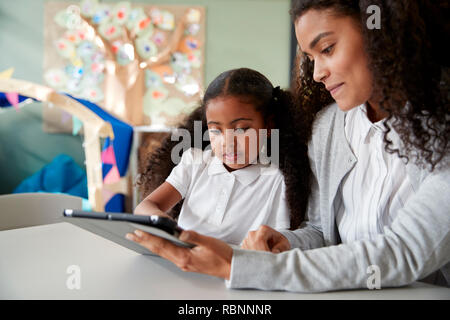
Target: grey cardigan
416, 244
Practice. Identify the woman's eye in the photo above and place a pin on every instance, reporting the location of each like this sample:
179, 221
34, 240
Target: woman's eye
308, 58
328, 49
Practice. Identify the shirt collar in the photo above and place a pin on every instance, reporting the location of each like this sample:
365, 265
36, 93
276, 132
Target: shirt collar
245, 175
367, 126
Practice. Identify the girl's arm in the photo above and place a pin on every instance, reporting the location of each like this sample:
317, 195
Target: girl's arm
161, 200
170, 192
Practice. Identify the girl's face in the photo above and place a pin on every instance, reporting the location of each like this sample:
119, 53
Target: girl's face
233, 127
335, 45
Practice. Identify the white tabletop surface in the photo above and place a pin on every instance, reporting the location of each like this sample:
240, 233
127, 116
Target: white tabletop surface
34, 262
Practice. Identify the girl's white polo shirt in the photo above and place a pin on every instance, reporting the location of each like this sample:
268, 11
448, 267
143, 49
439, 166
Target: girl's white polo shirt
227, 205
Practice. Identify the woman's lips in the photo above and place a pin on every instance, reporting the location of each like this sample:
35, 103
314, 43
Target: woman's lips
335, 89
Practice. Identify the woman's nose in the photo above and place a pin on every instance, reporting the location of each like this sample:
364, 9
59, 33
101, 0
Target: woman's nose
320, 71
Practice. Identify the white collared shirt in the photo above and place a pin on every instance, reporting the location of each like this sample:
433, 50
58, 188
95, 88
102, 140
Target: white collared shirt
376, 188
227, 205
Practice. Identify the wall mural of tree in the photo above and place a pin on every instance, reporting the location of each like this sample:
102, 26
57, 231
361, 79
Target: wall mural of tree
142, 63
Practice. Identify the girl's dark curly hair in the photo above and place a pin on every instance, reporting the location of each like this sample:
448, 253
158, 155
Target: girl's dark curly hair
410, 69
274, 104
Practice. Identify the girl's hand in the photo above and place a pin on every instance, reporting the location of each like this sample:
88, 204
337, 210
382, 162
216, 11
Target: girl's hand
266, 239
154, 213
210, 256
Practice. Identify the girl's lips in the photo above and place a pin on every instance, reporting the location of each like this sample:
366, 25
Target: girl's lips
231, 156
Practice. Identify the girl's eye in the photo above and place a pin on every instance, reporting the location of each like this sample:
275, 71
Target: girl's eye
328, 49
240, 130
214, 131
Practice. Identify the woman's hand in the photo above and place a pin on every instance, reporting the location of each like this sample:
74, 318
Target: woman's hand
266, 239
210, 256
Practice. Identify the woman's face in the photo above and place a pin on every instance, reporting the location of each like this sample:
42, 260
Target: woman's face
335, 45
233, 127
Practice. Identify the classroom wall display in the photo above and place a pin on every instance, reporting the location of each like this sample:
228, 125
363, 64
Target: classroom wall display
142, 63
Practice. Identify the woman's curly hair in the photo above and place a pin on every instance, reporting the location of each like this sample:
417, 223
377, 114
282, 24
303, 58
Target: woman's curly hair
410, 69
275, 105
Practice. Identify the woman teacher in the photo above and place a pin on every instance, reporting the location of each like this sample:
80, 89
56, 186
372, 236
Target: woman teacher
376, 102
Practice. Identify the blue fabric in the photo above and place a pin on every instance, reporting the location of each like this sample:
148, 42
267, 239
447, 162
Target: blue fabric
5, 103
62, 175
123, 138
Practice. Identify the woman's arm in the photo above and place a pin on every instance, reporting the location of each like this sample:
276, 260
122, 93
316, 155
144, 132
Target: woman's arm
417, 244
161, 200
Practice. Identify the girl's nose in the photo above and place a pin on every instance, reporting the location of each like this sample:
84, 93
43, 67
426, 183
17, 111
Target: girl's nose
230, 139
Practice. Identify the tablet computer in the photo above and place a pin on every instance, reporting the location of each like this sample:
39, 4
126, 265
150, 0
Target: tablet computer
114, 227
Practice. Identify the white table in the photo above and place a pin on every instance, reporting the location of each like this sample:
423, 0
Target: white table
34, 262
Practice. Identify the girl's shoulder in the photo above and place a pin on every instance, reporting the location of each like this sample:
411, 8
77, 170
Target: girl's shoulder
193, 156
272, 172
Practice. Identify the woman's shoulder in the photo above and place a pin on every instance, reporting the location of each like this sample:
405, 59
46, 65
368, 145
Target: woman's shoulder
327, 116
327, 132
327, 121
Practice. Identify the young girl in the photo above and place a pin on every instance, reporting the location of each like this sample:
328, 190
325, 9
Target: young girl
226, 189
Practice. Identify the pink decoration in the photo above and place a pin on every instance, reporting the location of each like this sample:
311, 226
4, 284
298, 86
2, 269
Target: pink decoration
111, 30
108, 156
13, 98
144, 23
157, 94
112, 176
107, 195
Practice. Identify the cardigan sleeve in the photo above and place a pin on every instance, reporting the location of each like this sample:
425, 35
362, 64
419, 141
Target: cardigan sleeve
309, 235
